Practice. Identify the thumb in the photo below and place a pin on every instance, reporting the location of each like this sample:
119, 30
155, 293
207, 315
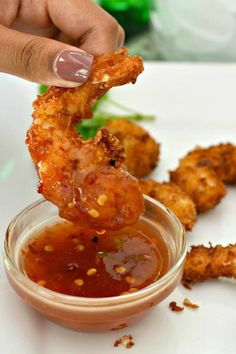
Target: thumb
43, 60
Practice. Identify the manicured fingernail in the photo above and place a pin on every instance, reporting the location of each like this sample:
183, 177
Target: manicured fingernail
73, 66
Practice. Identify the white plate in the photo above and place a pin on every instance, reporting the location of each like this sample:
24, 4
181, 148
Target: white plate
194, 104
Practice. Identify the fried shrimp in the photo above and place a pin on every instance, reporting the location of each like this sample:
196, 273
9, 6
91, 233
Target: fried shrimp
219, 158
203, 172
86, 180
204, 263
225, 162
141, 150
201, 184
173, 198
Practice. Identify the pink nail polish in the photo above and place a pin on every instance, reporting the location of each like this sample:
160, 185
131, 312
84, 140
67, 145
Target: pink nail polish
73, 66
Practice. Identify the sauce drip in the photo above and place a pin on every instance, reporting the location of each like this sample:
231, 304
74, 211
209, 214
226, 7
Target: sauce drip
73, 261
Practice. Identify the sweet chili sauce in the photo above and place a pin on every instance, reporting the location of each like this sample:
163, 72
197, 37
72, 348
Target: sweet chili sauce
73, 261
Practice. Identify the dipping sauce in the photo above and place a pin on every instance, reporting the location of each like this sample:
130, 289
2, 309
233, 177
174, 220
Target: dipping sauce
73, 261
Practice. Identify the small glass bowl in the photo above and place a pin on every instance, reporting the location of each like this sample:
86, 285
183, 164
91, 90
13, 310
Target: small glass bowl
92, 314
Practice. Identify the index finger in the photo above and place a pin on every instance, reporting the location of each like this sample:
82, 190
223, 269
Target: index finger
86, 24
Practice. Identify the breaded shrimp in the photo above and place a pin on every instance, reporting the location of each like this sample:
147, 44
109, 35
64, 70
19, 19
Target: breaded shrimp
225, 167
141, 150
173, 198
201, 184
219, 158
204, 263
86, 180
203, 172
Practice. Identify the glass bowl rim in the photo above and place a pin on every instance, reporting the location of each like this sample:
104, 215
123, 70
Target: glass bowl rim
70, 300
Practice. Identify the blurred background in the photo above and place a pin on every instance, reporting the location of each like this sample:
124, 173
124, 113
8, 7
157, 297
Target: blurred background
178, 30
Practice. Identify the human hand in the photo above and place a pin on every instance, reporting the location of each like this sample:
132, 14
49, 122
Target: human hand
53, 42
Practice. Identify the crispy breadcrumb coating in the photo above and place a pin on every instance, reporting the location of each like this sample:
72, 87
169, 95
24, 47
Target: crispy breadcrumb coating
201, 184
191, 305
219, 158
225, 164
203, 172
76, 175
174, 307
126, 340
173, 198
204, 263
141, 150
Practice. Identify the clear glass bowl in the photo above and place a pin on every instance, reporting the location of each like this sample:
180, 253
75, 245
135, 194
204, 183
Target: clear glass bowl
92, 314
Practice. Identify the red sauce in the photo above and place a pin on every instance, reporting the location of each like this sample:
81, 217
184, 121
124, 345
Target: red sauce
70, 260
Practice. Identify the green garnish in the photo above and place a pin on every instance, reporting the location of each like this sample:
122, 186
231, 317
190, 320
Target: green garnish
42, 89
99, 102
89, 127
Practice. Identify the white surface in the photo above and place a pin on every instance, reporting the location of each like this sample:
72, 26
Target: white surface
194, 104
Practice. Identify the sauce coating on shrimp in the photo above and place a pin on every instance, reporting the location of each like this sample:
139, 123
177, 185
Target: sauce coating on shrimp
87, 180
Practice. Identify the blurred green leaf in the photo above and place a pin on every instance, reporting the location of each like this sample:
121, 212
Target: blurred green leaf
89, 127
99, 102
42, 89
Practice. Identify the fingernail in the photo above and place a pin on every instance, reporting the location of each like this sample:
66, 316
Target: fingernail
73, 66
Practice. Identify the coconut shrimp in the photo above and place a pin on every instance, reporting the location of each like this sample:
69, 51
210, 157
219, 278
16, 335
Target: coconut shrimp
141, 150
204, 263
203, 172
173, 198
87, 180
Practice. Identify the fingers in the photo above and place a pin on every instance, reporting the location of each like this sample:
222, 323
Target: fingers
43, 60
51, 62
102, 40
121, 37
87, 24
